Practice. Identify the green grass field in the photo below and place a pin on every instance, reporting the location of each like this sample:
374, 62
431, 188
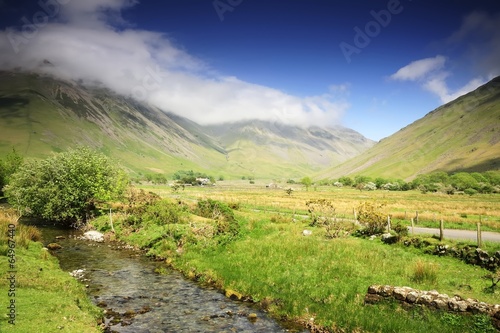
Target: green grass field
316, 279
457, 211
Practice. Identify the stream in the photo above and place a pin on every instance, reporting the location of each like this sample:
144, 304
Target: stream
137, 299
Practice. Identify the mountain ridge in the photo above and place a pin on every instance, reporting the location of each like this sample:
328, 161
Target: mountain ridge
462, 135
41, 115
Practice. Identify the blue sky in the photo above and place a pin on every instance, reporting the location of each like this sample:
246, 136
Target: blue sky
374, 66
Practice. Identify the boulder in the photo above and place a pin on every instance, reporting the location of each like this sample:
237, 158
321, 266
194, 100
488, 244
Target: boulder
54, 246
94, 236
307, 232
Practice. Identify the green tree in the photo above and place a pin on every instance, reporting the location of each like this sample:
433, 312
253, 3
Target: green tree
346, 181
379, 182
439, 177
8, 166
361, 180
463, 180
65, 188
307, 182
493, 177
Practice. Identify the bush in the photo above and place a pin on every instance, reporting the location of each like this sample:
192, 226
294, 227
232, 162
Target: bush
222, 214
470, 191
8, 167
163, 212
373, 219
346, 181
320, 211
400, 230
339, 229
370, 186
66, 187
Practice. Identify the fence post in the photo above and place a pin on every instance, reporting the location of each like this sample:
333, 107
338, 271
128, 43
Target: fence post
388, 223
479, 239
111, 220
441, 230
412, 227
416, 216
355, 215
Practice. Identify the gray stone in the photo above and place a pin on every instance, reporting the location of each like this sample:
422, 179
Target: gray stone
94, 236
412, 297
306, 232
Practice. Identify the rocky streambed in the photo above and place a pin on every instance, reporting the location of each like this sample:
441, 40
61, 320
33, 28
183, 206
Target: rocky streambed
143, 296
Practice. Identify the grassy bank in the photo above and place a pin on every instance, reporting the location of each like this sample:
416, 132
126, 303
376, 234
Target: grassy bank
45, 298
313, 280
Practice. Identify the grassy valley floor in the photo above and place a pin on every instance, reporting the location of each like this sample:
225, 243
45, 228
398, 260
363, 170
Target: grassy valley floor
313, 280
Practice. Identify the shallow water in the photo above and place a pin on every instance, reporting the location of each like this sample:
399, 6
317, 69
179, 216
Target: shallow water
139, 300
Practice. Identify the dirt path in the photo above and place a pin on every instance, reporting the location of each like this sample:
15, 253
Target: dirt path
460, 234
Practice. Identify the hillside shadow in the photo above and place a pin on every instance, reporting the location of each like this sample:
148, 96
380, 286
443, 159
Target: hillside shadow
491, 164
10, 102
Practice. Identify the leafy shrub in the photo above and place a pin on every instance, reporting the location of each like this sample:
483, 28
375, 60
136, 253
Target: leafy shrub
470, 191
8, 167
137, 201
372, 217
163, 212
400, 230
370, 186
346, 181
66, 187
339, 229
320, 211
222, 214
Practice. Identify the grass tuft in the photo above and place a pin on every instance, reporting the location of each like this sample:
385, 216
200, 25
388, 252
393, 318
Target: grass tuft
425, 272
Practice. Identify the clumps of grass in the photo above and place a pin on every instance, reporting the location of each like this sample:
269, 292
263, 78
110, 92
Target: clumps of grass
280, 218
424, 272
23, 234
27, 234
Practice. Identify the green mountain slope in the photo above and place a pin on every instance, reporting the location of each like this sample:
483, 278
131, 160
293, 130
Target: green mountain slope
287, 150
40, 115
462, 135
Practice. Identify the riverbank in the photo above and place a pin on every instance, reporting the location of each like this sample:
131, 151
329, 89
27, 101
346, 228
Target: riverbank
35, 294
312, 280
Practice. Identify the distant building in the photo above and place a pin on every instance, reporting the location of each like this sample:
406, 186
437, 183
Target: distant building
203, 181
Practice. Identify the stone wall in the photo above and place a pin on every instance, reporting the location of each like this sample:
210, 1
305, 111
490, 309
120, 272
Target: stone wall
469, 254
412, 297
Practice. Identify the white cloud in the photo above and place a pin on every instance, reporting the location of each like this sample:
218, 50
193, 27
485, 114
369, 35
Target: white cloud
419, 69
83, 45
439, 87
475, 47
